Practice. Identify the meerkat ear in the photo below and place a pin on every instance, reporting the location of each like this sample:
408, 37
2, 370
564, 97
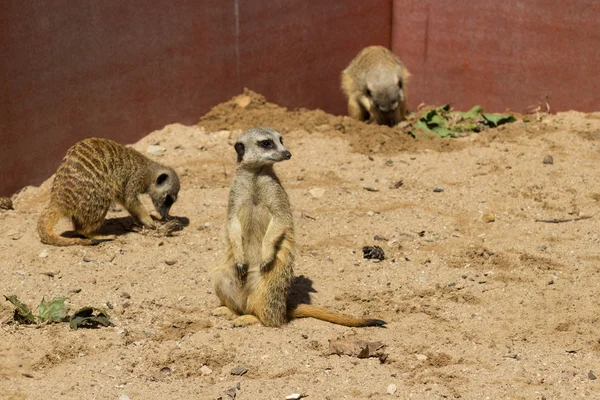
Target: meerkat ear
162, 178
240, 149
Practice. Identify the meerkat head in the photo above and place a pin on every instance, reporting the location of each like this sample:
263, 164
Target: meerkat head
164, 190
258, 147
385, 87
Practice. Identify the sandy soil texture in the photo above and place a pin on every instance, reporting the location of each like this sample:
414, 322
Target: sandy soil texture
483, 299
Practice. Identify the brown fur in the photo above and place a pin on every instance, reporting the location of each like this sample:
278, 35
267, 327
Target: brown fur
255, 279
94, 173
375, 84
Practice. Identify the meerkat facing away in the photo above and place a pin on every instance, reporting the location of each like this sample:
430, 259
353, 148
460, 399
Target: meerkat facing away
375, 85
255, 279
94, 173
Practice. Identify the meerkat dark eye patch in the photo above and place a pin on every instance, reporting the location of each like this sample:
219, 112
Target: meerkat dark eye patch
169, 201
369, 92
281, 140
266, 144
400, 84
162, 178
240, 149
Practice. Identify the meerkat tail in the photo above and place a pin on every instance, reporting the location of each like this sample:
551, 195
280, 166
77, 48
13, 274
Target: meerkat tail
45, 228
308, 311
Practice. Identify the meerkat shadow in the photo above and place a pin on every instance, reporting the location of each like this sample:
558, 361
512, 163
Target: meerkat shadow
300, 291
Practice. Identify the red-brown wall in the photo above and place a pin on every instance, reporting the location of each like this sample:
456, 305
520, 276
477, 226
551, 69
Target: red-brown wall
120, 69
501, 54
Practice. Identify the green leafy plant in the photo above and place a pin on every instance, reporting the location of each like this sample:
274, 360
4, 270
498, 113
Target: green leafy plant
443, 122
85, 318
56, 311
53, 311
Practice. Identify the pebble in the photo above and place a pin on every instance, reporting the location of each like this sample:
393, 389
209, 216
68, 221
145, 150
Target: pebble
487, 218
170, 262
438, 190
20, 272
205, 370
44, 254
592, 376
391, 389
548, 159
421, 357
317, 192
124, 397
294, 396
223, 134
243, 101
239, 370
155, 149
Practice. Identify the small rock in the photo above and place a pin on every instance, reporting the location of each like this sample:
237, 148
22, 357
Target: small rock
591, 376
170, 262
239, 370
20, 272
548, 159
438, 190
317, 192
86, 259
421, 357
373, 253
223, 134
205, 370
155, 149
243, 101
125, 295
123, 397
398, 184
294, 396
44, 254
391, 389
490, 217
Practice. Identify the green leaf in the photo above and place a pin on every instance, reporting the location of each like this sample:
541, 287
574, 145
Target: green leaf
495, 120
22, 314
428, 116
437, 120
442, 132
423, 126
85, 318
53, 311
472, 113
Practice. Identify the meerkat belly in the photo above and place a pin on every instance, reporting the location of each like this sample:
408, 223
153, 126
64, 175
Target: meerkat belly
255, 221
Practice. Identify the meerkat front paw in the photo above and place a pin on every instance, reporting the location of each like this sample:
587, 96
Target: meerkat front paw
266, 266
242, 269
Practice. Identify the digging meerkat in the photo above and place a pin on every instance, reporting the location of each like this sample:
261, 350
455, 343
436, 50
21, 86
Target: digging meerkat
375, 84
254, 281
94, 173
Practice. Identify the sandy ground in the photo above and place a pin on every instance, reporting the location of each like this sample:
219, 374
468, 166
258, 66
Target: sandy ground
475, 309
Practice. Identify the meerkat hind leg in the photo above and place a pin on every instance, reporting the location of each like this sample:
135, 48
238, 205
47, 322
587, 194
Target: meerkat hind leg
224, 311
245, 320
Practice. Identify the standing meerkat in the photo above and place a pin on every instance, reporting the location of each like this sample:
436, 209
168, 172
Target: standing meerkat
94, 173
375, 85
255, 279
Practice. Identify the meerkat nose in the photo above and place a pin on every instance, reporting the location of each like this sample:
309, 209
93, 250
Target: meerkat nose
287, 154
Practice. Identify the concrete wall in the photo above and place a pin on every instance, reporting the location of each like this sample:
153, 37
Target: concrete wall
120, 69
501, 54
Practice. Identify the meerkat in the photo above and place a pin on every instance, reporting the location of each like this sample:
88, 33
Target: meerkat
94, 173
375, 84
254, 281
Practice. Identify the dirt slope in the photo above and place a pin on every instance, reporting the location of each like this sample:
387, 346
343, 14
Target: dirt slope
476, 309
